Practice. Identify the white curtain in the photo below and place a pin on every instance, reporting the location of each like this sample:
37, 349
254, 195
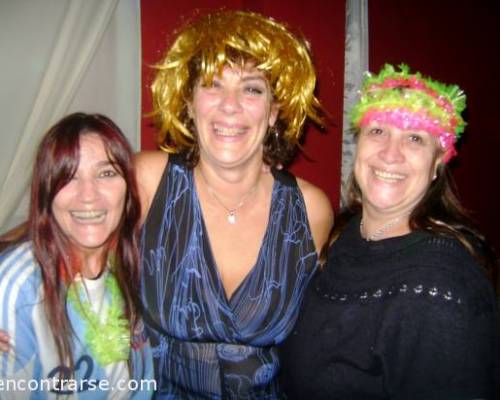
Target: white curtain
60, 56
356, 63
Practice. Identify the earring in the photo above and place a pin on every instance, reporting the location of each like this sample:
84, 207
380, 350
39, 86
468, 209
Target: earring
273, 130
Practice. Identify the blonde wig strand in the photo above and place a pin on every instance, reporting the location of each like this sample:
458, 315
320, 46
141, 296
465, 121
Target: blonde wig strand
234, 38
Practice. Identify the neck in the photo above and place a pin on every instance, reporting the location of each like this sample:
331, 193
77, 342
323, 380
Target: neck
232, 192
230, 183
93, 264
376, 226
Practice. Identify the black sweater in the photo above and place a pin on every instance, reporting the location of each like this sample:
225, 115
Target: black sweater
411, 317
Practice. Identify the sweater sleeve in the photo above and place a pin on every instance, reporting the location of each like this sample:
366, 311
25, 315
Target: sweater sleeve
441, 342
18, 366
142, 361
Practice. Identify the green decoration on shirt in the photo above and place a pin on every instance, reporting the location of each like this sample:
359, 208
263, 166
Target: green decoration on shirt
108, 340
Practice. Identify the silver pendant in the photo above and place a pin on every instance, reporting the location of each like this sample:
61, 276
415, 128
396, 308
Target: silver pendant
231, 218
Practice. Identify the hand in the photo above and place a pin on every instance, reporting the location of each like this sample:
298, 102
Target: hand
4, 341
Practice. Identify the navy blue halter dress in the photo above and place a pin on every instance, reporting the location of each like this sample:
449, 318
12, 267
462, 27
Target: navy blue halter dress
204, 344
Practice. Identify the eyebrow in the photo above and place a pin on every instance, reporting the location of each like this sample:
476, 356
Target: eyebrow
105, 163
253, 77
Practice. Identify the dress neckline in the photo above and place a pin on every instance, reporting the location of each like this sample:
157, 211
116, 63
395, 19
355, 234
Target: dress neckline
208, 254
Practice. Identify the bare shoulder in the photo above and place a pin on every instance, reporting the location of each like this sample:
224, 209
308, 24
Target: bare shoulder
149, 167
319, 212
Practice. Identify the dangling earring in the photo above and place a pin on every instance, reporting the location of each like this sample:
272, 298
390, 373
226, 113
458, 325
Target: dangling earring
273, 130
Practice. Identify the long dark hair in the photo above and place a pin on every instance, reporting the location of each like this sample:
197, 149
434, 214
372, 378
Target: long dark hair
439, 211
56, 163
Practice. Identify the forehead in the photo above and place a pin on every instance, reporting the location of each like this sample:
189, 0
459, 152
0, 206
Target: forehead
394, 128
238, 72
400, 132
92, 148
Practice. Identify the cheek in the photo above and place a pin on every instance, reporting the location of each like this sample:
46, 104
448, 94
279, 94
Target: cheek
57, 214
62, 200
118, 192
117, 197
357, 169
363, 149
199, 105
60, 214
360, 158
259, 109
424, 164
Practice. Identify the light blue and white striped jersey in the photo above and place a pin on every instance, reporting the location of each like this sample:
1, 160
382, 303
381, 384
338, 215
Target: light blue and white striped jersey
30, 369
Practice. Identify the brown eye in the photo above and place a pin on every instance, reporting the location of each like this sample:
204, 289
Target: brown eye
254, 89
415, 138
216, 84
108, 173
376, 131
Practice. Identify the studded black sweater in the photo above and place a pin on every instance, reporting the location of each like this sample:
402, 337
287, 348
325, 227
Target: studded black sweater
411, 317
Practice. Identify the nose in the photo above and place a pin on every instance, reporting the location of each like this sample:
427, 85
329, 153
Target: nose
391, 152
87, 190
230, 102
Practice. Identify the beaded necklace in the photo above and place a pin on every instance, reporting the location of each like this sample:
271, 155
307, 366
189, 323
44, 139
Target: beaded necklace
108, 340
382, 230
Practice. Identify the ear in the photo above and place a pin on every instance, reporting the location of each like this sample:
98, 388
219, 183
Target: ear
437, 162
273, 114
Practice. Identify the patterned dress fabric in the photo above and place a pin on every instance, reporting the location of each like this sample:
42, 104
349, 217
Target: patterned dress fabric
204, 344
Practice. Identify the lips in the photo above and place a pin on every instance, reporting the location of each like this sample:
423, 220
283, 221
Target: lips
88, 216
388, 176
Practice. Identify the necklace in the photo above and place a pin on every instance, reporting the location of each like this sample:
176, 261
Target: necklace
231, 212
382, 230
108, 340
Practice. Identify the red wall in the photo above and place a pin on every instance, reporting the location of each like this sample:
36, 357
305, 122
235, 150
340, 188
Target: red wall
321, 22
457, 42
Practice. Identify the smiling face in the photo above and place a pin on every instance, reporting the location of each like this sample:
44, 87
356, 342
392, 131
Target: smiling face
89, 208
394, 168
232, 116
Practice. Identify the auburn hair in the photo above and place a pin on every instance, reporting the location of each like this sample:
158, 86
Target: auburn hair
57, 161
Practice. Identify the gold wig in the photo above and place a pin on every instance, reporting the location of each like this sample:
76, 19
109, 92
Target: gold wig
201, 50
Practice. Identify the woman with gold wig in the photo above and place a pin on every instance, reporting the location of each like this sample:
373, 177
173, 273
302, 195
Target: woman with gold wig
230, 240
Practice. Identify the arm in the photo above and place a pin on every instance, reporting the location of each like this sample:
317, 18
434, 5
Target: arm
319, 212
4, 341
149, 169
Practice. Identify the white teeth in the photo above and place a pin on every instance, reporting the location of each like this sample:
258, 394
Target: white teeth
388, 175
225, 131
88, 215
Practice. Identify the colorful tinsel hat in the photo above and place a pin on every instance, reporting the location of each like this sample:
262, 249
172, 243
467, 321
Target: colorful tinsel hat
411, 101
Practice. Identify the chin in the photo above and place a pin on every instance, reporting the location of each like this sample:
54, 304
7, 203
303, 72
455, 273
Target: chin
382, 204
91, 243
230, 159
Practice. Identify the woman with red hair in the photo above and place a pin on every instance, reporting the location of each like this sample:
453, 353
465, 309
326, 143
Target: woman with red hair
68, 277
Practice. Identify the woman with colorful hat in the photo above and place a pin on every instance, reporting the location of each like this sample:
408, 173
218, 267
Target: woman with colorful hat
402, 308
